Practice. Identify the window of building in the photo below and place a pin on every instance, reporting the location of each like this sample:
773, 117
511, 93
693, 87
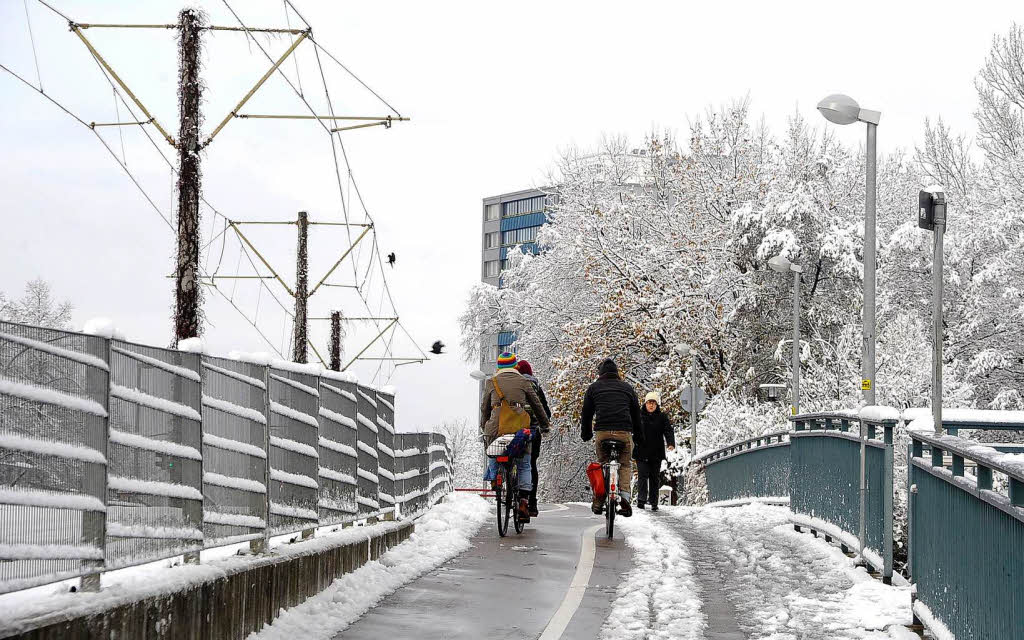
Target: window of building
492, 354
491, 240
491, 268
491, 212
524, 206
519, 236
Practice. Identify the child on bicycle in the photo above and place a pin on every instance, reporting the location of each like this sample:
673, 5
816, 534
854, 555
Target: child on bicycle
610, 403
519, 393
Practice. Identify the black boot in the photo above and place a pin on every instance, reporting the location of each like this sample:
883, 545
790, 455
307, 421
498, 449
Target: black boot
625, 510
654, 507
640, 505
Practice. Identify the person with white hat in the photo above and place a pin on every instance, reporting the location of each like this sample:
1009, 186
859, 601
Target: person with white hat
658, 432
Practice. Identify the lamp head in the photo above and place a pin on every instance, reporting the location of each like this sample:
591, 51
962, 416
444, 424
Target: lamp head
839, 109
478, 375
682, 349
780, 264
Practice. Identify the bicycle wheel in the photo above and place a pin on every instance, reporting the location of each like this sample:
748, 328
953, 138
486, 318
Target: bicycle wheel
510, 495
517, 521
609, 510
500, 489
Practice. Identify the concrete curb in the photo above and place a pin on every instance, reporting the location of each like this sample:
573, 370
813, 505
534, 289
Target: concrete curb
228, 607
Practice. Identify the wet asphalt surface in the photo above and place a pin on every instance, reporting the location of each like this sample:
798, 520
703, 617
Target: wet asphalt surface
505, 587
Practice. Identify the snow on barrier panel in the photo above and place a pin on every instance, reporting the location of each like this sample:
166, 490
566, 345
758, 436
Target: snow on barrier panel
53, 427
154, 451
386, 447
966, 532
440, 466
413, 477
754, 468
294, 449
235, 408
114, 454
366, 445
338, 453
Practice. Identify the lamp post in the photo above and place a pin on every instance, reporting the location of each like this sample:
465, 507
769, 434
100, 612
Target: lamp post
782, 265
840, 109
685, 350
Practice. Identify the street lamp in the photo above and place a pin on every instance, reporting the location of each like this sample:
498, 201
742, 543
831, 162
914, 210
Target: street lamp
478, 375
840, 109
782, 265
684, 350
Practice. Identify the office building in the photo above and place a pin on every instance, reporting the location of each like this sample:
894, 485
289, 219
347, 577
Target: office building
509, 220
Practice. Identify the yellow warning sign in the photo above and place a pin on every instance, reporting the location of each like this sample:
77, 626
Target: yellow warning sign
865, 385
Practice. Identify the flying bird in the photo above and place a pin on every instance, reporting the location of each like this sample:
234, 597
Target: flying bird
437, 348
391, 259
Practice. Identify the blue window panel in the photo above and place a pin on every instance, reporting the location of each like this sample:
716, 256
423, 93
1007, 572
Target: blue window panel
506, 338
521, 222
526, 247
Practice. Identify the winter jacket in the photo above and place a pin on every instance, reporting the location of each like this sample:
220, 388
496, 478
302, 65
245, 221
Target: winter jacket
658, 432
610, 403
540, 394
518, 391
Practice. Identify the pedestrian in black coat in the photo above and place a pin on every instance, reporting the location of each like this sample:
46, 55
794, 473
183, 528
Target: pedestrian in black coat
658, 433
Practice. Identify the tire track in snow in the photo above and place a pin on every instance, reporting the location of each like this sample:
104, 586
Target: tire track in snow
786, 585
659, 598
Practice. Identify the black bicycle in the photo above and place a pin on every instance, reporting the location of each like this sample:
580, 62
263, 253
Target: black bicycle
611, 482
506, 486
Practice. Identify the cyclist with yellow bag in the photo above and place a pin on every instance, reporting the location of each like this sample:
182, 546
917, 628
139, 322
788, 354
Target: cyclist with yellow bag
503, 412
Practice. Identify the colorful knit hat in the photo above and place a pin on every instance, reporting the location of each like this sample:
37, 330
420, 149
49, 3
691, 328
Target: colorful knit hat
507, 361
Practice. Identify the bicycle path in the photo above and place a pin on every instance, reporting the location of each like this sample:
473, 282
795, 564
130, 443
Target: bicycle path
509, 587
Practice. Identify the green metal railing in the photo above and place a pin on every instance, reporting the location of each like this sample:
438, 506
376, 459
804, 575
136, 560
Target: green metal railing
754, 468
845, 479
966, 535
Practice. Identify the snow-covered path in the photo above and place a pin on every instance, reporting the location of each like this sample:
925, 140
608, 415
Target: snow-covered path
780, 584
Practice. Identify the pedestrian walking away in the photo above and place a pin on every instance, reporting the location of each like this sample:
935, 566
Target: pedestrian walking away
657, 433
504, 400
524, 367
611, 410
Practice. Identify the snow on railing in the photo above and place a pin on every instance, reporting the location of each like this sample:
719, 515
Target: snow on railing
168, 452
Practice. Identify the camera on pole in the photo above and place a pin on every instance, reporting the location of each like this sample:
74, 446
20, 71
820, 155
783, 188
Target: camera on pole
931, 208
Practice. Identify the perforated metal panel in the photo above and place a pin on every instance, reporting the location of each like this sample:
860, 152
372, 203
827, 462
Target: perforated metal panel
53, 421
366, 445
235, 409
338, 453
294, 450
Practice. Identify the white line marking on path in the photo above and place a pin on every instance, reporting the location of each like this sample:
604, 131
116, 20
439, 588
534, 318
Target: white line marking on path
558, 507
577, 588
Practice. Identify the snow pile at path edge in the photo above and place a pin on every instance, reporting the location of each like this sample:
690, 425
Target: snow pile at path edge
441, 534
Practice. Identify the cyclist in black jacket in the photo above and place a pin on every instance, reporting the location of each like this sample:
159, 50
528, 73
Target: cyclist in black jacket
611, 408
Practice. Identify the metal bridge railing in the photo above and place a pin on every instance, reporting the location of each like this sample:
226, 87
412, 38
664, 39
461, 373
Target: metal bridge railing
816, 468
114, 454
842, 475
966, 532
757, 467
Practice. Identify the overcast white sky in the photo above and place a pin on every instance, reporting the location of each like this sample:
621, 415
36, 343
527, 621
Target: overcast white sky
495, 90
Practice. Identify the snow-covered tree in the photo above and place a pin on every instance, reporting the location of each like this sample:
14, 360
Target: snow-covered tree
37, 306
466, 450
